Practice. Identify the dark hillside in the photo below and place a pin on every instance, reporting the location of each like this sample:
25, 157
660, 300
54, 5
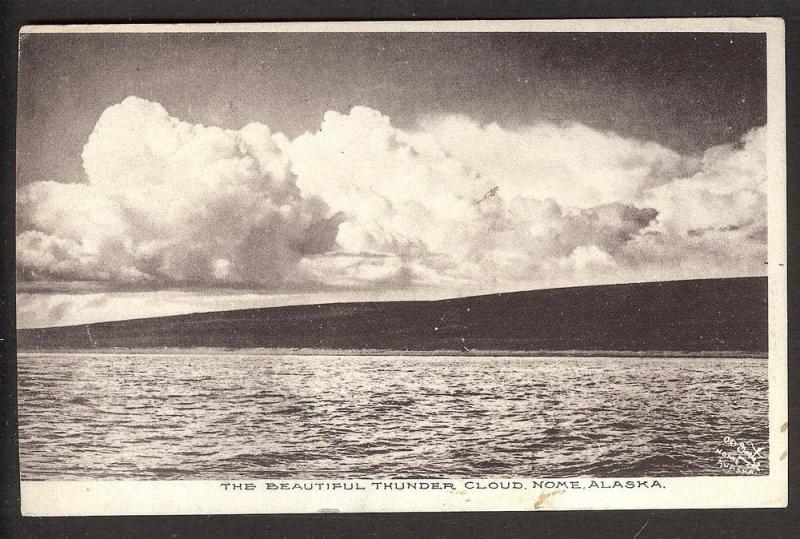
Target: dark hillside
690, 316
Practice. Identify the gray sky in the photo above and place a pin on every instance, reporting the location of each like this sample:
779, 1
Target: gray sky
685, 91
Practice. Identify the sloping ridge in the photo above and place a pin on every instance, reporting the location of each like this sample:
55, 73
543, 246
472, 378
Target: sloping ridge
691, 316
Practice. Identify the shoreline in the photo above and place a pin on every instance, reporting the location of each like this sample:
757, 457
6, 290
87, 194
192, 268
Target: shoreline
653, 354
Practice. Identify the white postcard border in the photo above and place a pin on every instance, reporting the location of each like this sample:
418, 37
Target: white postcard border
46, 498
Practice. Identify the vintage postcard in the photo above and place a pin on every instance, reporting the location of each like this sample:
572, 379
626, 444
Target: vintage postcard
401, 266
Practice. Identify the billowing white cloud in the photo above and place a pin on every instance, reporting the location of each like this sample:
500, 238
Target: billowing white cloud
452, 206
171, 202
570, 163
726, 194
456, 203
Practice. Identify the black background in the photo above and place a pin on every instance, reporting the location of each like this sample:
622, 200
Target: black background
642, 524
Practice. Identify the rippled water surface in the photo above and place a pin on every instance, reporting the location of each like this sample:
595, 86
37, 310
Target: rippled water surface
203, 416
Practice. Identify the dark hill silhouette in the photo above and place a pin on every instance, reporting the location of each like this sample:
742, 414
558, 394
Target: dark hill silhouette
690, 316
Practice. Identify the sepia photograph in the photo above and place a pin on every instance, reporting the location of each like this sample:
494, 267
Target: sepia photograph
401, 266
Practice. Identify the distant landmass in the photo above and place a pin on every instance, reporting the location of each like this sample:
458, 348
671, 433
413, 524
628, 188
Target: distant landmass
711, 315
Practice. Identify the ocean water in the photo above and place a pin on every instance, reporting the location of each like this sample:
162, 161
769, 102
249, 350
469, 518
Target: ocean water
212, 416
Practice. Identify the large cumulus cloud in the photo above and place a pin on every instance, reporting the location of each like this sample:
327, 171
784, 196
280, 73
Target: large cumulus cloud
170, 202
359, 203
479, 207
